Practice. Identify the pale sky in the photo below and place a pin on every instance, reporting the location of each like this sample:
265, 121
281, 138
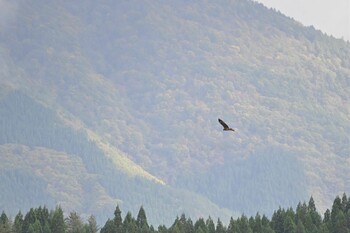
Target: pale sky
329, 16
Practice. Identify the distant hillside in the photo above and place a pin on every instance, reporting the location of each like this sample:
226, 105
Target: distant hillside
61, 166
134, 89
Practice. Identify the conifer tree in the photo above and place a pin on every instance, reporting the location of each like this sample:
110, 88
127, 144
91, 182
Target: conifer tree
323, 228
18, 224
162, 229
289, 225
141, 220
327, 219
210, 225
231, 226
200, 224
108, 227
118, 221
5, 224
200, 230
347, 217
344, 202
347, 208
300, 227
267, 229
219, 227
57, 221
42, 214
301, 212
182, 225
251, 222
315, 216
277, 221
46, 228
244, 225
336, 214
3, 218
339, 224
266, 226
92, 225
189, 226
308, 223
257, 227
175, 229
74, 223
175, 224
265, 221
336, 207
129, 224
4, 221
311, 207
35, 227
28, 220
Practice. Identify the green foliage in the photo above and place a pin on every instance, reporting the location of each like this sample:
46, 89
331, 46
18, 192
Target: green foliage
108, 227
92, 226
18, 223
57, 224
129, 223
151, 78
282, 221
118, 221
289, 225
26, 122
21, 188
4, 219
181, 224
220, 227
262, 170
74, 223
5, 224
141, 220
210, 225
35, 227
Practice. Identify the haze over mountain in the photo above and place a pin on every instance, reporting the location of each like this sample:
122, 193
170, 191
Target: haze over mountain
331, 17
116, 102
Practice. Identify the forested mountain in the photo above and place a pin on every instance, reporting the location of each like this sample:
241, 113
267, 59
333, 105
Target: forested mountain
43, 161
117, 102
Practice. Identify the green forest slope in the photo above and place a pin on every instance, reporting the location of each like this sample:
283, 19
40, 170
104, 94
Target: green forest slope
140, 85
45, 162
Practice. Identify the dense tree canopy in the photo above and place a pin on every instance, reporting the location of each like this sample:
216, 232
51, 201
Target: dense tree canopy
130, 92
304, 219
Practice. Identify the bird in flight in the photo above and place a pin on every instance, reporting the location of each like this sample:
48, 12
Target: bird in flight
226, 127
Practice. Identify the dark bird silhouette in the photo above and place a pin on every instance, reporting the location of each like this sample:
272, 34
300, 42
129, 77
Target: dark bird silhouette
226, 127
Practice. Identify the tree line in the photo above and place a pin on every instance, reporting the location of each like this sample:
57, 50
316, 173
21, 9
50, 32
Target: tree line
41, 220
304, 219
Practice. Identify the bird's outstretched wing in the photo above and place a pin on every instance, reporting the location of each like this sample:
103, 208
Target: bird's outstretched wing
223, 124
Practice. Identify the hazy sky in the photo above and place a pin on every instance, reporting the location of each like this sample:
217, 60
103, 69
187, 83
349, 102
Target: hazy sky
329, 16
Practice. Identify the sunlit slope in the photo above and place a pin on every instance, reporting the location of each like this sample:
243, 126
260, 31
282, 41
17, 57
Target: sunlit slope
46, 162
61, 179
